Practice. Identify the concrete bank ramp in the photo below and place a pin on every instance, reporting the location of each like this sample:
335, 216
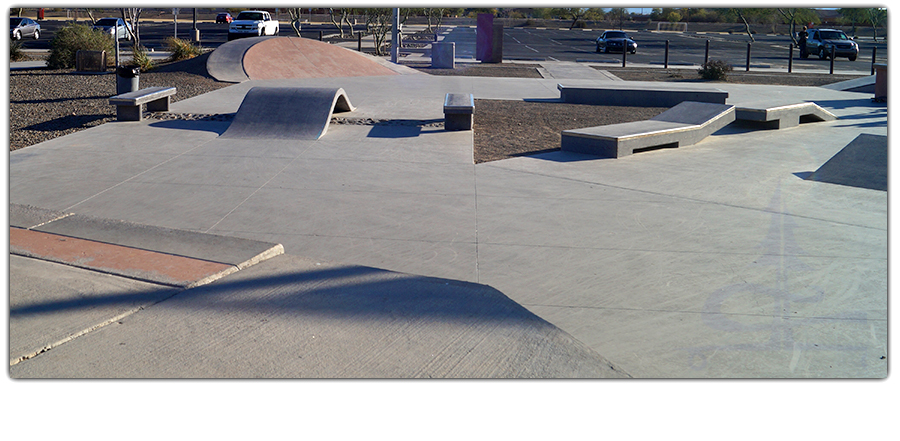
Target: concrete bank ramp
270, 58
287, 113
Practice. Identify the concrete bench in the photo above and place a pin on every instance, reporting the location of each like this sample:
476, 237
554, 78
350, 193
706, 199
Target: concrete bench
128, 105
780, 116
685, 124
640, 96
459, 111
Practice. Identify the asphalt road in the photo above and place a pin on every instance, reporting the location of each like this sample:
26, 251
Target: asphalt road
557, 44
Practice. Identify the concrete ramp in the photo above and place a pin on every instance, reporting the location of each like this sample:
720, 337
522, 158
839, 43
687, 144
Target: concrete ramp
685, 124
287, 113
272, 58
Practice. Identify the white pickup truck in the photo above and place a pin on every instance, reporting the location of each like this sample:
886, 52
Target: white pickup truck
252, 24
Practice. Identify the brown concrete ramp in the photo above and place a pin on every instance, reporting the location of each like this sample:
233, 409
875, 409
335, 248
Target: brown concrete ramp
294, 57
287, 113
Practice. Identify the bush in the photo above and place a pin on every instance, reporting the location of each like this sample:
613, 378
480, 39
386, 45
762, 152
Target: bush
140, 58
15, 51
182, 49
714, 70
77, 37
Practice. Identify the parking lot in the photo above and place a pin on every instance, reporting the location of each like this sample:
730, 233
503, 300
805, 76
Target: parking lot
545, 44
684, 48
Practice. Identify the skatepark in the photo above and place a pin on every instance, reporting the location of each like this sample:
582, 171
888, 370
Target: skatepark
382, 250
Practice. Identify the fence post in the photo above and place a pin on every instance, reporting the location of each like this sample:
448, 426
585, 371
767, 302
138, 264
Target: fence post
748, 57
320, 35
831, 68
874, 49
359, 41
667, 56
624, 54
706, 57
790, 57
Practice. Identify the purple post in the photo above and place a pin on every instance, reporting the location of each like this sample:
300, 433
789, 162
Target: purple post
484, 37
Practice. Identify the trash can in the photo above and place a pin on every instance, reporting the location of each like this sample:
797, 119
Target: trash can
127, 79
40, 13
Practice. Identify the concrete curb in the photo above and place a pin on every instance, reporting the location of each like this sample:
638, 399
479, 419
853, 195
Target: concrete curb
142, 252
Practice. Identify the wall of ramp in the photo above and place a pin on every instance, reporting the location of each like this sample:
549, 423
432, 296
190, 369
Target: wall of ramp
269, 58
287, 113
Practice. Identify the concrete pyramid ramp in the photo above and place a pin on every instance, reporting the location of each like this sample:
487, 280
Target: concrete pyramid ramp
270, 58
287, 113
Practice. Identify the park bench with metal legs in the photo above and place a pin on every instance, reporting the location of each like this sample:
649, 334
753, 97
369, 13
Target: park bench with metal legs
128, 105
685, 124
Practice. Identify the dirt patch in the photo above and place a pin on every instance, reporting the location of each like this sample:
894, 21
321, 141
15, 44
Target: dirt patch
482, 70
691, 76
506, 128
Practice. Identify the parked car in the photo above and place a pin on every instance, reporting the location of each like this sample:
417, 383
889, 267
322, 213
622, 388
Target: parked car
821, 40
252, 24
224, 17
23, 27
616, 41
110, 24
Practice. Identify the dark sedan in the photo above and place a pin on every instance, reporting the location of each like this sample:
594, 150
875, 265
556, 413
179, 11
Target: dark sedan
23, 27
616, 41
224, 17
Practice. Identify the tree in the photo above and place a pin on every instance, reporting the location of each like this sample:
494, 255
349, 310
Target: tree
740, 14
876, 17
797, 15
617, 16
133, 16
90, 13
433, 17
295, 14
579, 14
344, 17
378, 24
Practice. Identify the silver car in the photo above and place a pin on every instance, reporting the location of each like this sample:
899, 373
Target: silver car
110, 24
23, 27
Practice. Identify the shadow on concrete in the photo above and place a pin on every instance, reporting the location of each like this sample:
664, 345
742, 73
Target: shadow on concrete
862, 163
337, 292
405, 128
217, 127
69, 122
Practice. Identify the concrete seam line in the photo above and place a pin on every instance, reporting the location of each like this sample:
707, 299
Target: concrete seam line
265, 255
49, 221
84, 332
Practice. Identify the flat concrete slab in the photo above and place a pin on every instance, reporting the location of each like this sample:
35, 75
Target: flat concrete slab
287, 113
714, 261
625, 94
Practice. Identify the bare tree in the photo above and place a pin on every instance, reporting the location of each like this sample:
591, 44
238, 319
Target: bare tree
90, 13
133, 16
432, 15
295, 13
343, 17
379, 24
740, 15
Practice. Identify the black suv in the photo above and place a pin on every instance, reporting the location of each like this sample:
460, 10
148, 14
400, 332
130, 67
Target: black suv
820, 42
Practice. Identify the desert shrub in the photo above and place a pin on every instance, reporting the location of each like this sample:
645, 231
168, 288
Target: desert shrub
140, 58
714, 70
73, 38
15, 51
182, 49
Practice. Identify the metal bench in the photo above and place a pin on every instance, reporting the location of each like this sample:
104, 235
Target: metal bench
685, 124
128, 105
640, 96
459, 111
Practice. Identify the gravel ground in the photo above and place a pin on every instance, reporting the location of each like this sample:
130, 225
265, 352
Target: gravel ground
45, 104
